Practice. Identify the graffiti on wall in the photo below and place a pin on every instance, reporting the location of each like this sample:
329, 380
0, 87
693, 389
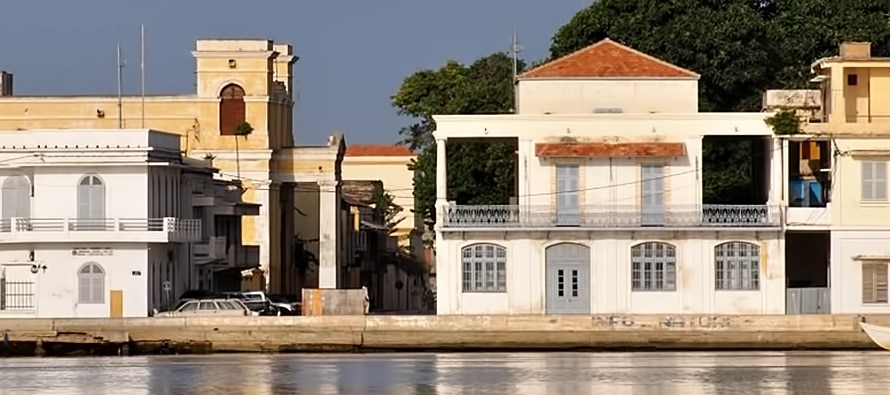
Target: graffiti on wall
694, 321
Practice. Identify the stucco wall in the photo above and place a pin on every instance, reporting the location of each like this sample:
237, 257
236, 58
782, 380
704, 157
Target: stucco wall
610, 274
576, 96
56, 288
848, 208
846, 272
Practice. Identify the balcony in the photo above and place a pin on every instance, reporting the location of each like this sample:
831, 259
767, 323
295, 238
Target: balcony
139, 230
210, 250
612, 217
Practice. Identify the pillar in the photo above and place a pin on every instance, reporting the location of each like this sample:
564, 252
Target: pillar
441, 180
328, 229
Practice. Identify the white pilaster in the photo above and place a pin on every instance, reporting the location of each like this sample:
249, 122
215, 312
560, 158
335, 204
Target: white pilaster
328, 227
441, 180
526, 147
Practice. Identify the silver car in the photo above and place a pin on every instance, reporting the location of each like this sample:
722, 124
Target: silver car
208, 307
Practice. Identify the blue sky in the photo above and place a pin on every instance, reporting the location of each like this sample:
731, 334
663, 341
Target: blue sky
353, 53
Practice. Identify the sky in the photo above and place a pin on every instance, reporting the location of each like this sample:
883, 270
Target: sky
354, 54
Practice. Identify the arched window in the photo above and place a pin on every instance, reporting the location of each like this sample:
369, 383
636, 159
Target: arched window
231, 109
484, 268
16, 197
91, 284
90, 198
737, 266
653, 267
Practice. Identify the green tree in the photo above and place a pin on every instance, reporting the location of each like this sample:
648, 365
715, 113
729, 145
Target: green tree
478, 173
740, 47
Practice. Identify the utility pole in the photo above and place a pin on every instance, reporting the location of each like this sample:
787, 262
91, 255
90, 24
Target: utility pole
515, 50
142, 67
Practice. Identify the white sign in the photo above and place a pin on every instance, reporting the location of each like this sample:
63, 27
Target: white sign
107, 251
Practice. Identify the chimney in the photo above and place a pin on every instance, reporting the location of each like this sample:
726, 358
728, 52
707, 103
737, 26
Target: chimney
5, 84
855, 50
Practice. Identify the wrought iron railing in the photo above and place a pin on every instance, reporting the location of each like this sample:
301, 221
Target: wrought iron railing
16, 295
611, 216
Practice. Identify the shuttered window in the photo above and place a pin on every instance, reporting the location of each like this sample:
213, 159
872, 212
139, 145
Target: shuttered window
874, 180
91, 284
15, 198
231, 109
874, 282
90, 198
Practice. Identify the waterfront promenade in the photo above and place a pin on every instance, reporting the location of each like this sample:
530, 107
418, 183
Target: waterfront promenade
431, 333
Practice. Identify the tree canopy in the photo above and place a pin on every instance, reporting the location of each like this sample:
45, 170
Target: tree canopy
477, 173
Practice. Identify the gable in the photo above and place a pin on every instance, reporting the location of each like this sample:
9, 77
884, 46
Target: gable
608, 59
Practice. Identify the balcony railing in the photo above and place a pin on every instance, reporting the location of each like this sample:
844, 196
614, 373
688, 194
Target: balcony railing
177, 229
611, 216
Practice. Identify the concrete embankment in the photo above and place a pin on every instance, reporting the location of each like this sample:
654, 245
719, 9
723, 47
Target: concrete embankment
433, 333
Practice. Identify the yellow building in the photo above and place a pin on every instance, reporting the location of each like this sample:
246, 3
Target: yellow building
238, 81
837, 192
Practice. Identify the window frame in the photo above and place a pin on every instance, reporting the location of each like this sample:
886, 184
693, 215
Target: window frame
638, 267
872, 189
481, 272
91, 285
737, 266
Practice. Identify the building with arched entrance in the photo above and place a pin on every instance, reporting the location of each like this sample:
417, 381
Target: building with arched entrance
608, 214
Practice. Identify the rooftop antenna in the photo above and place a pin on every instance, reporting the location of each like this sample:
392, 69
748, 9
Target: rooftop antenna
120, 83
515, 50
142, 68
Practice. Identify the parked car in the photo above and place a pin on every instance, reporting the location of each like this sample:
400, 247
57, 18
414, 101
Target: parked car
263, 304
208, 307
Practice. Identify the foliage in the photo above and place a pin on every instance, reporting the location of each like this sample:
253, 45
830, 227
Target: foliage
740, 47
478, 173
243, 129
384, 204
784, 122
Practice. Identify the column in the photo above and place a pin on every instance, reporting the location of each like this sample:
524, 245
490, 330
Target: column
838, 103
441, 181
328, 226
522, 180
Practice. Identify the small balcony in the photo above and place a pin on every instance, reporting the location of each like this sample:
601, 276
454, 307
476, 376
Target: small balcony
612, 217
139, 230
210, 250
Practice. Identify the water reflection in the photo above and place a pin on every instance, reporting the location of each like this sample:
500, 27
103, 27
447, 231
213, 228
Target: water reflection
795, 373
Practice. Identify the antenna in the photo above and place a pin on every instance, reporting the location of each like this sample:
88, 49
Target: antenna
120, 83
515, 50
142, 67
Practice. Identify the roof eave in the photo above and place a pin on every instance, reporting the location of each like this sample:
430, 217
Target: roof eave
617, 78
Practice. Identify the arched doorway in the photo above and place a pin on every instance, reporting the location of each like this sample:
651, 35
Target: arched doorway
567, 287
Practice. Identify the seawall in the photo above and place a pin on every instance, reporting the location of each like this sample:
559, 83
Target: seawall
433, 333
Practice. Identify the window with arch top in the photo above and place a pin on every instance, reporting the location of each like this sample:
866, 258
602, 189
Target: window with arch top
653, 267
16, 197
91, 284
231, 109
484, 268
90, 197
737, 266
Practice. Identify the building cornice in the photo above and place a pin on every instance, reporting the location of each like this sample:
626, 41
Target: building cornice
234, 54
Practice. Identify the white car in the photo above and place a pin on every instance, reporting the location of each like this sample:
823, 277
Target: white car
208, 307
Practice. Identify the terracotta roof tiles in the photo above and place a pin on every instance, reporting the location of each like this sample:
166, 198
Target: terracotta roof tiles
608, 59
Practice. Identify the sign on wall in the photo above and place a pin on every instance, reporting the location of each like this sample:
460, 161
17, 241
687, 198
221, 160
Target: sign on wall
92, 251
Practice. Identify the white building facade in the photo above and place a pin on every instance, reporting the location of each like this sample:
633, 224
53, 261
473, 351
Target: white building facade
608, 215
98, 223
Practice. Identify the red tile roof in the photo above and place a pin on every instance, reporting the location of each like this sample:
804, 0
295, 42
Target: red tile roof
378, 150
607, 59
605, 150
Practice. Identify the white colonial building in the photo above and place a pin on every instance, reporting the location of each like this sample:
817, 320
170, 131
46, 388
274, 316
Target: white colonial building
608, 213
111, 223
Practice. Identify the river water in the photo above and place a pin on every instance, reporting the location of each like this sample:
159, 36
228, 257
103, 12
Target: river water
810, 373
